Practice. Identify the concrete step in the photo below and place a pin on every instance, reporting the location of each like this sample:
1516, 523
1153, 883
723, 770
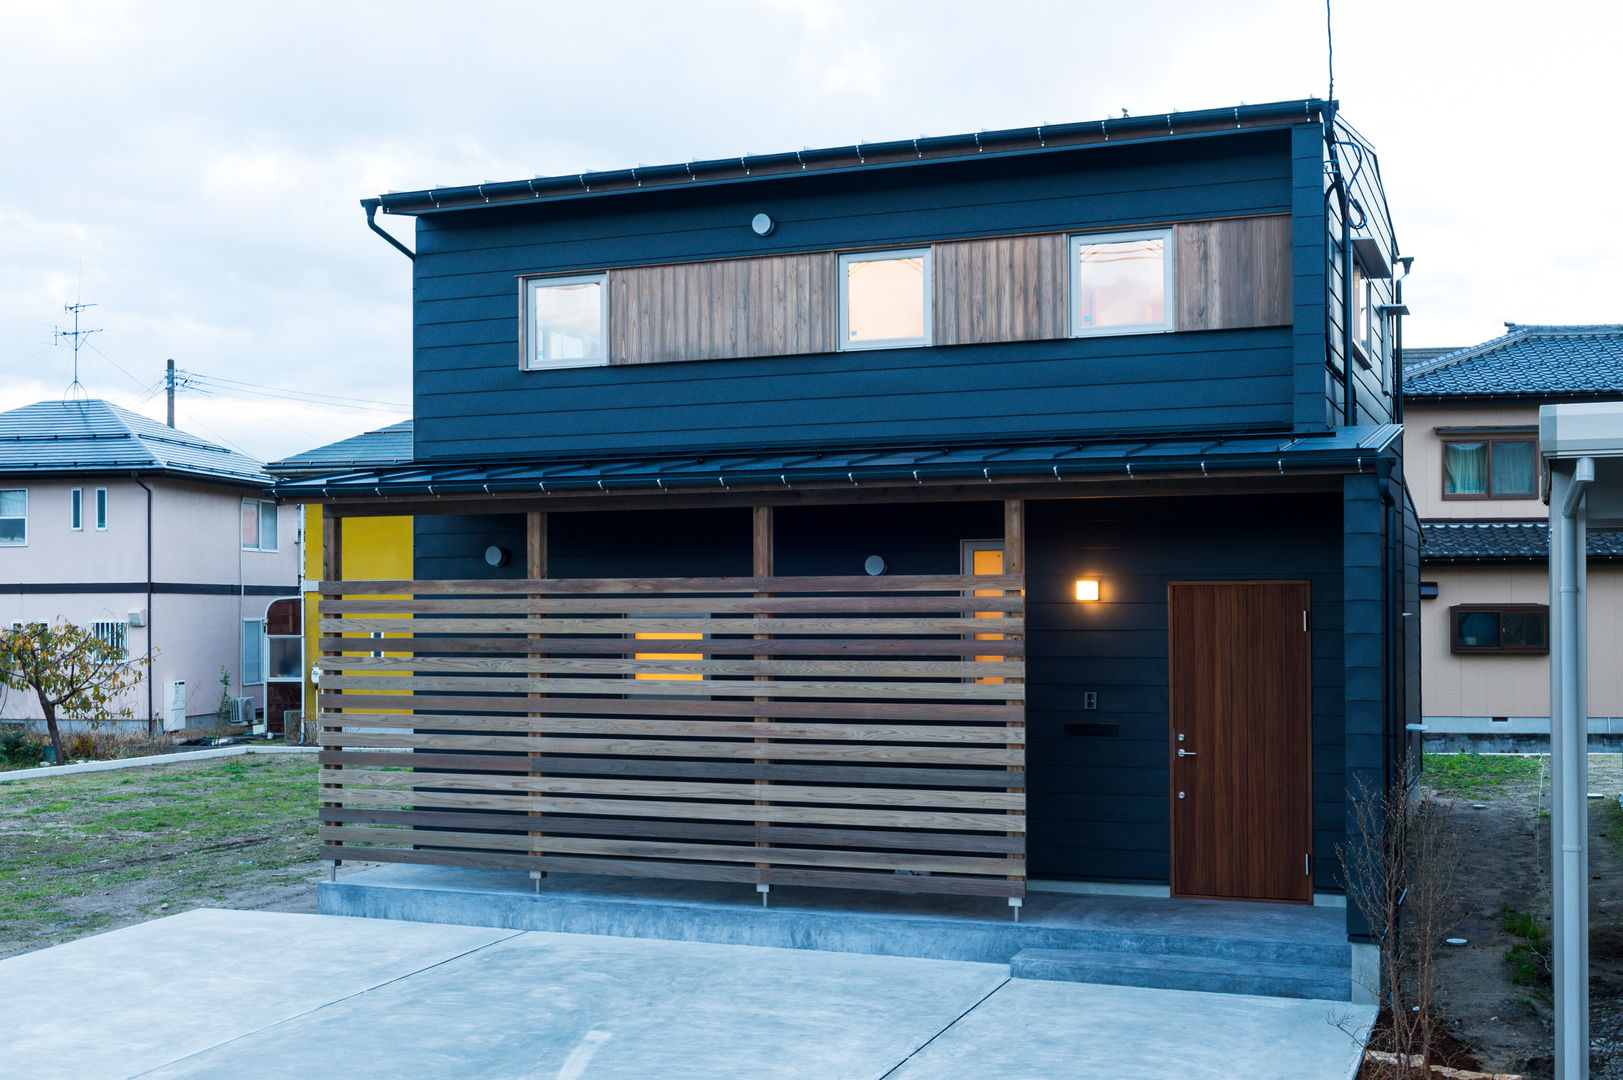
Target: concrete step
1182, 971
1320, 952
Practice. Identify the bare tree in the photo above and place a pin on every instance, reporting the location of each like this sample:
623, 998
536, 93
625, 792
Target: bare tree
1401, 866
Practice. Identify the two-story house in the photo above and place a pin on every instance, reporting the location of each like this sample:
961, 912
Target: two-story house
1474, 467
1021, 509
164, 543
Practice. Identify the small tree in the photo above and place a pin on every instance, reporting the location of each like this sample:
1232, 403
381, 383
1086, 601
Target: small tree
1402, 869
72, 672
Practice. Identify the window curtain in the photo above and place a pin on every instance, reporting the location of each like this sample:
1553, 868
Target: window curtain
1465, 468
1515, 468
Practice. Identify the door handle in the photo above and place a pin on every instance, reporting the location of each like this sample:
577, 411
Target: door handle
1185, 753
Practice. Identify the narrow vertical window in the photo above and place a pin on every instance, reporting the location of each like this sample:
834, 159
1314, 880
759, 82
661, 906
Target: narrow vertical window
250, 525
101, 508
13, 516
565, 322
267, 526
253, 652
76, 509
985, 557
1121, 283
885, 299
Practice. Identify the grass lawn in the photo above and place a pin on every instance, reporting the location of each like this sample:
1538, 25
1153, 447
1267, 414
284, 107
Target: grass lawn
85, 853
1462, 775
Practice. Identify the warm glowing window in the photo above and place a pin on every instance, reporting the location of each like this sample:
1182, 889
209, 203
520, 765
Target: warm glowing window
985, 557
677, 636
1121, 283
885, 299
564, 322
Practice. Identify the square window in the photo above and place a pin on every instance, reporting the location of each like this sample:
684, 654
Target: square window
13, 516
1515, 468
1121, 283
1465, 468
565, 322
885, 299
115, 634
258, 525
76, 509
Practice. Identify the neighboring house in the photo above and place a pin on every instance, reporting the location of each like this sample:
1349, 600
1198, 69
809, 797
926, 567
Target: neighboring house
1471, 416
161, 541
373, 547
1086, 386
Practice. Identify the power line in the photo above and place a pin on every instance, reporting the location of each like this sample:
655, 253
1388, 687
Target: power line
295, 394
138, 383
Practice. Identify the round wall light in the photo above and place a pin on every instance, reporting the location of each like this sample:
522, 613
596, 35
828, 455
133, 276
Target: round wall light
875, 565
496, 556
763, 224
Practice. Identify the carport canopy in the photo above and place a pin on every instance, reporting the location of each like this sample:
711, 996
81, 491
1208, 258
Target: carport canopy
1582, 445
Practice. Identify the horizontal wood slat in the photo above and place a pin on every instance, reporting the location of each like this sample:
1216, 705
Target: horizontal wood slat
856, 733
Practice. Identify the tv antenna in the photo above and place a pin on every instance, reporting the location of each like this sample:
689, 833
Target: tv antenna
78, 336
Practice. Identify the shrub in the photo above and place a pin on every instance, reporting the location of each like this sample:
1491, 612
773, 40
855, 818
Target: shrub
90, 746
19, 746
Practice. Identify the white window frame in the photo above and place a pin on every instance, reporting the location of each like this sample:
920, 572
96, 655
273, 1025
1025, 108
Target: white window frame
244, 680
276, 521
76, 509
846, 258
1168, 323
113, 632
527, 286
101, 509
24, 541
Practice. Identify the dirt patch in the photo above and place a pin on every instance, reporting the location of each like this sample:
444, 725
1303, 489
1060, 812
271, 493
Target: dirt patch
1500, 1010
87, 853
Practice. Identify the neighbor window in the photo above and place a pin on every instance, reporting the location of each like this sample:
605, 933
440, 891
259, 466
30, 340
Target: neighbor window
1121, 283
565, 321
885, 299
115, 634
253, 652
258, 525
101, 508
1502, 628
76, 509
13, 516
1491, 467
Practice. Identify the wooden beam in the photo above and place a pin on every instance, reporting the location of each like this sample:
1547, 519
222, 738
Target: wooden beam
332, 569
535, 567
763, 543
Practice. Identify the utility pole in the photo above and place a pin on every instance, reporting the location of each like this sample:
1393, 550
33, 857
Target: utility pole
169, 387
78, 336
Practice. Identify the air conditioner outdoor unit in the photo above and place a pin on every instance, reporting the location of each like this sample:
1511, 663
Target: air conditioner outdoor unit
174, 705
243, 711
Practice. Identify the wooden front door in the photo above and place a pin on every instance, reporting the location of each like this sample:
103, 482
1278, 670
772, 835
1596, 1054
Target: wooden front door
1241, 739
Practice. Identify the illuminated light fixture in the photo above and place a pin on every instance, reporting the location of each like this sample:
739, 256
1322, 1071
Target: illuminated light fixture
1087, 589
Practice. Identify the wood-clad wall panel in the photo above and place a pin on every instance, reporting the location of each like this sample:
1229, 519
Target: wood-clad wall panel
1007, 288
1233, 273
777, 306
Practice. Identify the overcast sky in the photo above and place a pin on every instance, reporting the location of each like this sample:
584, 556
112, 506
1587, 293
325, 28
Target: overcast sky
193, 169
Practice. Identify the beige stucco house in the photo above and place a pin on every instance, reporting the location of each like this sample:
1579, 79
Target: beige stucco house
1471, 435
161, 541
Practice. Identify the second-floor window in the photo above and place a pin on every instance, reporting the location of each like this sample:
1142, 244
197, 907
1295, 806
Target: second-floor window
258, 525
13, 516
885, 299
1491, 466
565, 321
101, 508
1121, 283
76, 509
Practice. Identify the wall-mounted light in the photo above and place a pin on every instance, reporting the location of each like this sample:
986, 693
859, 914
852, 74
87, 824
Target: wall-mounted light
496, 556
875, 565
1087, 589
763, 224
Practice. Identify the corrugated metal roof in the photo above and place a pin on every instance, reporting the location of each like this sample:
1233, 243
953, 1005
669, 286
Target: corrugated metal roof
1525, 362
94, 436
385, 446
1343, 447
1505, 541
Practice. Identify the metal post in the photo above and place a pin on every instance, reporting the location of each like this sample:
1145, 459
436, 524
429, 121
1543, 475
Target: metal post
1569, 767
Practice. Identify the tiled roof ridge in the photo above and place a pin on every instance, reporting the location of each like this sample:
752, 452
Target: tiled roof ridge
1469, 352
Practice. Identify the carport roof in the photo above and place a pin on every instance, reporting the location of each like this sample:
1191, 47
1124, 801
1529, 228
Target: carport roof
1355, 447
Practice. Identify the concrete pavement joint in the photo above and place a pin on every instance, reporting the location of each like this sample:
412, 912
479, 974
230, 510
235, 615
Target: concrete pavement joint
327, 1005
922, 1046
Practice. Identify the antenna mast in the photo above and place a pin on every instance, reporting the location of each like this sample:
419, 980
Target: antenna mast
78, 337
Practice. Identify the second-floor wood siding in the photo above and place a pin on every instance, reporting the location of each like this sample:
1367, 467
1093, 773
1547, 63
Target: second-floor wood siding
473, 402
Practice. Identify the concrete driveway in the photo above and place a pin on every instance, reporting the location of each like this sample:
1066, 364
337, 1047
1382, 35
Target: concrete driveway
256, 994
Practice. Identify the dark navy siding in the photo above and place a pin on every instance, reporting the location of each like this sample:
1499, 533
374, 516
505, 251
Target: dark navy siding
1099, 805
472, 401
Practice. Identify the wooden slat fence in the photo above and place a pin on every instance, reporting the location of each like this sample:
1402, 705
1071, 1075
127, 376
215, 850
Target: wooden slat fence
833, 731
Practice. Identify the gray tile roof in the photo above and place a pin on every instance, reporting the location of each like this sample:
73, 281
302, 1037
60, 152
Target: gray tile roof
386, 446
94, 436
1525, 362
1504, 541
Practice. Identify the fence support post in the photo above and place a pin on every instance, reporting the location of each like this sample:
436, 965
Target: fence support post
535, 568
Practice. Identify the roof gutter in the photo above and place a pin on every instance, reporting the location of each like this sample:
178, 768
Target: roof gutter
371, 208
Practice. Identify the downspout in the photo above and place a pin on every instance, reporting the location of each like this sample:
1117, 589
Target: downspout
1391, 605
152, 728
371, 207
